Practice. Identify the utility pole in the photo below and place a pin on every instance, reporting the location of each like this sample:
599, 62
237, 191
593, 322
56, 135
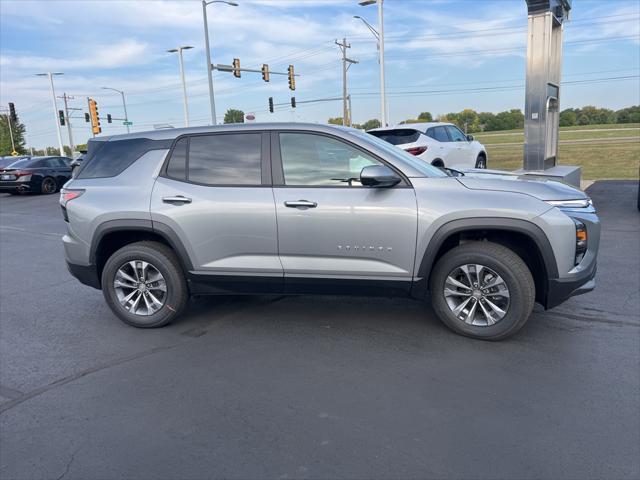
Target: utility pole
13, 146
50, 75
68, 117
346, 63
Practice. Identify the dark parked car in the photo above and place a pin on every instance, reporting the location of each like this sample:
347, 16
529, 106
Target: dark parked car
77, 163
35, 174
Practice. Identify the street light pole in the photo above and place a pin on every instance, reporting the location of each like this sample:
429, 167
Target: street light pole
379, 34
55, 107
124, 106
208, 54
383, 95
184, 84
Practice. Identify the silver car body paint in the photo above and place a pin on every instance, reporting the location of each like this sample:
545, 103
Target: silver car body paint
364, 233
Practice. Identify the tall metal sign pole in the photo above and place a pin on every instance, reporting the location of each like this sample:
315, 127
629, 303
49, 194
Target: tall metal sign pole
542, 91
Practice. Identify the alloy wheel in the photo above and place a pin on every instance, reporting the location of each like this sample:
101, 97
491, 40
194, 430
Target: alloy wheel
140, 287
48, 185
476, 295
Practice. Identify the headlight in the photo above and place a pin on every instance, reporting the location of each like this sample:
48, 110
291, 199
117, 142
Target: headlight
581, 241
582, 203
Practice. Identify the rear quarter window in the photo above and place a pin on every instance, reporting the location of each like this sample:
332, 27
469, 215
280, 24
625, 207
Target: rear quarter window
111, 158
398, 136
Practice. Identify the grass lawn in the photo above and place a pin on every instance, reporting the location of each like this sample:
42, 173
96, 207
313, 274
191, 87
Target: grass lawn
627, 130
597, 161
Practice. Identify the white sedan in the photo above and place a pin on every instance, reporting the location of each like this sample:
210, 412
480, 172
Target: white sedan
440, 144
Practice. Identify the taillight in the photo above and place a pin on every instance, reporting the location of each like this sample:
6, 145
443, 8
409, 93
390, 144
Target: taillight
22, 173
66, 195
416, 150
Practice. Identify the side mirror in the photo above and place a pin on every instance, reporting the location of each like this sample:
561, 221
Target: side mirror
470, 137
378, 176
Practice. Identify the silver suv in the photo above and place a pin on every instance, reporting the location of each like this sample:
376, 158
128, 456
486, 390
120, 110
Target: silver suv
155, 217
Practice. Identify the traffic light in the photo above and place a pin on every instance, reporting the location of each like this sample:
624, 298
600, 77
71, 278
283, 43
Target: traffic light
95, 117
293, 102
86, 118
108, 118
292, 78
265, 72
271, 104
236, 67
12, 112
61, 117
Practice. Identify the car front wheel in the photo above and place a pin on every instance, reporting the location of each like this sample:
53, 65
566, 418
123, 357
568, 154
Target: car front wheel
481, 161
144, 285
482, 290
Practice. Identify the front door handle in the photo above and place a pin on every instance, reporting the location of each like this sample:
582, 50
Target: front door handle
300, 204
176, 199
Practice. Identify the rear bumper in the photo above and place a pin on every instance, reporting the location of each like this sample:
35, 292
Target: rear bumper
14, 186
86, 274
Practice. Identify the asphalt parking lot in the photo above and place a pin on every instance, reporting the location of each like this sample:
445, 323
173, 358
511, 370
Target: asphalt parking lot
312, 387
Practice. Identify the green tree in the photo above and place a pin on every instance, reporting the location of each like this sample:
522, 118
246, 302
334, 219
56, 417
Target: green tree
568, 118
628, 115
369, 124
335, 121
485, 119
583, 119
234, 116
18, 130
468, 120
425, 117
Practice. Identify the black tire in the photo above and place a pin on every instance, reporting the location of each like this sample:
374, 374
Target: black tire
481, 161
166, 262
437, 162
48, 186
505, 263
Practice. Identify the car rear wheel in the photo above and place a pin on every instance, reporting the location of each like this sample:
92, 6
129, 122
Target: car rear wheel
482, 290
144, 285
49, 186
481, 161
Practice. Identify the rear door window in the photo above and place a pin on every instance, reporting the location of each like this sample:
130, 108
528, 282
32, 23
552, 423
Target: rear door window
177, 166
225, 159
111, 158
397, 136
439, 134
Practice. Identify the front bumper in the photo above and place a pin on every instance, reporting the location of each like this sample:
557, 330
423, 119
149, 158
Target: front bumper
581, 279
561, 289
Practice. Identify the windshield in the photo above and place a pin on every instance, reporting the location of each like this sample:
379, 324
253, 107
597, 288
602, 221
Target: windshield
414, 162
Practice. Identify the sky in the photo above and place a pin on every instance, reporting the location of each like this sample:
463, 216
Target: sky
440, 56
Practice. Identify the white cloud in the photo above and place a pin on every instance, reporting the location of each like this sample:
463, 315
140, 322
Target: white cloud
125, 53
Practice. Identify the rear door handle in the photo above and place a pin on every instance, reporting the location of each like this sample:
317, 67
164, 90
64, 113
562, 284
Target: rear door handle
176, 199
300, 204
